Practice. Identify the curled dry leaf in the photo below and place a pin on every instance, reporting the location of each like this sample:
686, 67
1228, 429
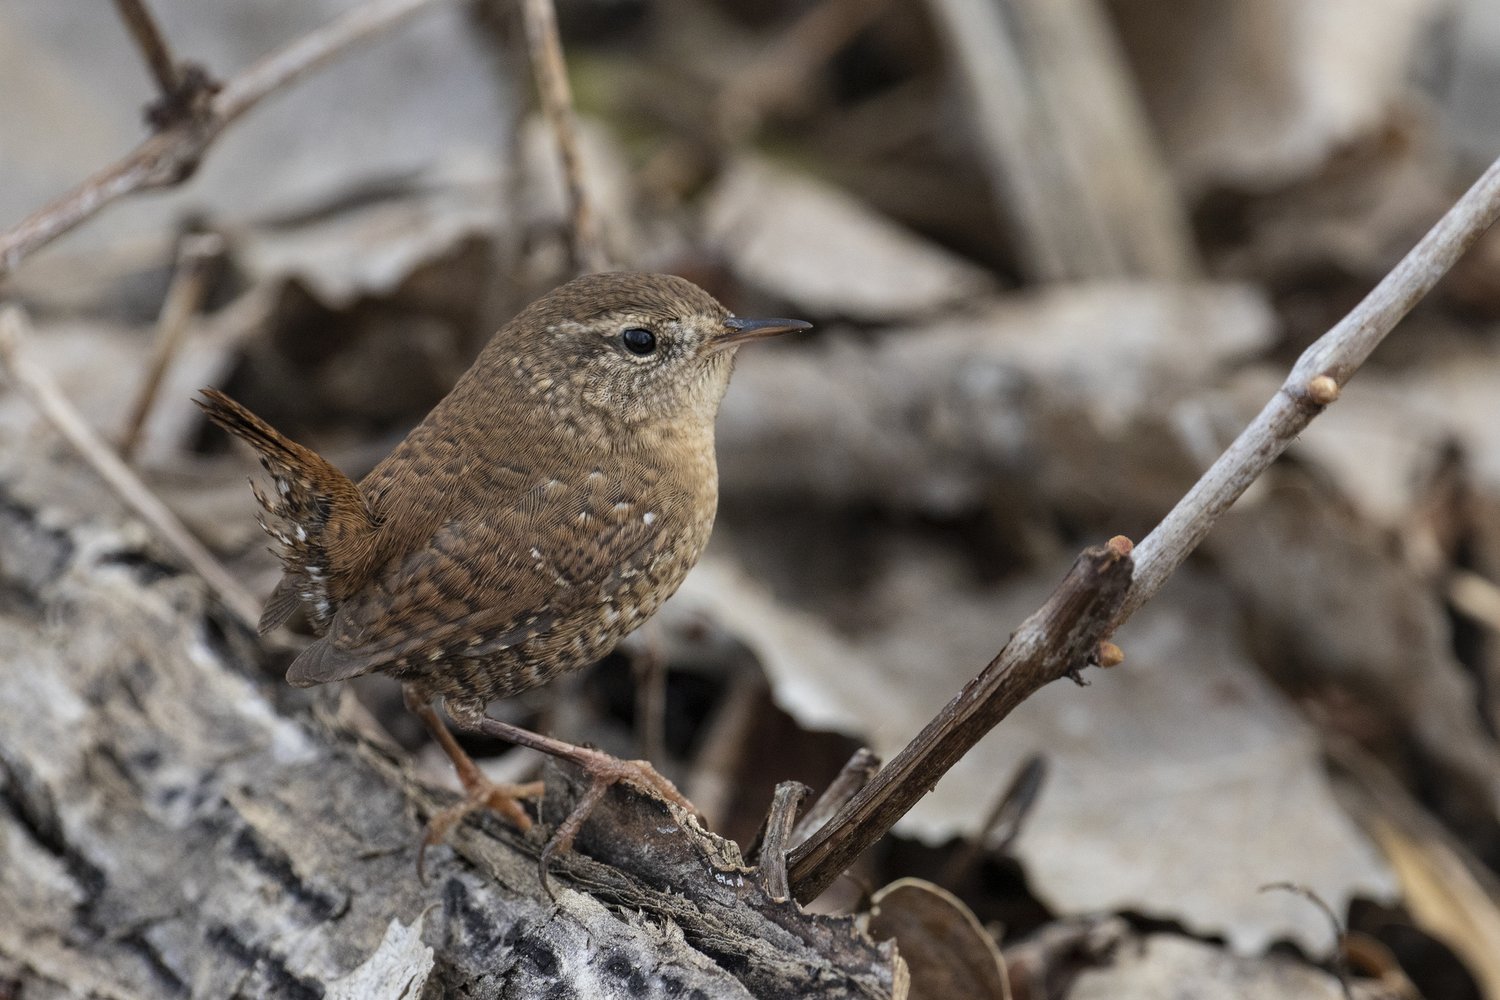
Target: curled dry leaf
946, 950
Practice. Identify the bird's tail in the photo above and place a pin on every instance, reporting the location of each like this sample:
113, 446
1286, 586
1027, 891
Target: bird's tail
318, 517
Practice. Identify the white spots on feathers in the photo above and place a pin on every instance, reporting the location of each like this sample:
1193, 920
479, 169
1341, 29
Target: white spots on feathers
648, 518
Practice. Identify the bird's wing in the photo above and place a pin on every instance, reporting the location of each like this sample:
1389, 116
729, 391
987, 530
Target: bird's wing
492, 579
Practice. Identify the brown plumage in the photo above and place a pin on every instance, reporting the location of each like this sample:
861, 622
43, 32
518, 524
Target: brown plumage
542, 511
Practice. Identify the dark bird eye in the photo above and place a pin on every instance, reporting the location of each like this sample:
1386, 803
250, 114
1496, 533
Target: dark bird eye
639, 341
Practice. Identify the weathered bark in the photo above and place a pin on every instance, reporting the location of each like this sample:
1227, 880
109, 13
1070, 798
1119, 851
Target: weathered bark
170, 825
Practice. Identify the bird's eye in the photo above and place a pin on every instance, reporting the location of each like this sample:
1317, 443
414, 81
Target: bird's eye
638, 341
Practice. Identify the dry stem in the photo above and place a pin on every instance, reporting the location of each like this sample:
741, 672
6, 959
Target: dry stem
38, 387
556, 97
184, 296
777, 838
1034, 654
1336, 355
169, 156
1054, 642
149, 39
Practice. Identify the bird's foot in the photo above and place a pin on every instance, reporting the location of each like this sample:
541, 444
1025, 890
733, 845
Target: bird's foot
479, 793
604, 772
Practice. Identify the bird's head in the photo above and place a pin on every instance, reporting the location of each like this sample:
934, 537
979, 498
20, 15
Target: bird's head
634, 348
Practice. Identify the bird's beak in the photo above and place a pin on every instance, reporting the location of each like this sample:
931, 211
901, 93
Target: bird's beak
738, 331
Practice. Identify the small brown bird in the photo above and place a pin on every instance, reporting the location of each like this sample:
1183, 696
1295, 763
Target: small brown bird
540, 513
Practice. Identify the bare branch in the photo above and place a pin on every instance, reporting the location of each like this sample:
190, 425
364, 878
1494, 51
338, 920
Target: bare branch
855, 774
170, 156
1332, 358
1037, 652
184, 296
38, 387
1003, 824
312, 52
1055, 642
556, 97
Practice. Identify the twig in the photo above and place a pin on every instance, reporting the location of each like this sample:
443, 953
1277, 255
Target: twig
1004, 822
778, 833
856, 774
169, 156
184, 296
153, 45
1340, 959
649, 670
38, 387
1033, 656
1054, 642
556, 97
1315, 381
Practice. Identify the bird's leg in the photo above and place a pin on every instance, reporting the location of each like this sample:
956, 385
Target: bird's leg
603, 771
479, 791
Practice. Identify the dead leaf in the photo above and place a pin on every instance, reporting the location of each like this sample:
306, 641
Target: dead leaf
949, 954
1315, 75
814, 246
1167, 966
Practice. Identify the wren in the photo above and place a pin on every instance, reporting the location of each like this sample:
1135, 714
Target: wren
542, 511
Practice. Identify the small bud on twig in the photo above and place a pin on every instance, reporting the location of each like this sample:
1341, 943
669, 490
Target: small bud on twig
1322, 389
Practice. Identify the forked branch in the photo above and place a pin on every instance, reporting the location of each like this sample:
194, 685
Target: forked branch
1101, 593
1055, 642
172, 153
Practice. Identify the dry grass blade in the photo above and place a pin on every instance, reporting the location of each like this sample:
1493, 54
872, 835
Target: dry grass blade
184, 296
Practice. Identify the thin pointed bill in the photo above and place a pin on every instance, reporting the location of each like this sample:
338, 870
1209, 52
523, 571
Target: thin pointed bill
738, 331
